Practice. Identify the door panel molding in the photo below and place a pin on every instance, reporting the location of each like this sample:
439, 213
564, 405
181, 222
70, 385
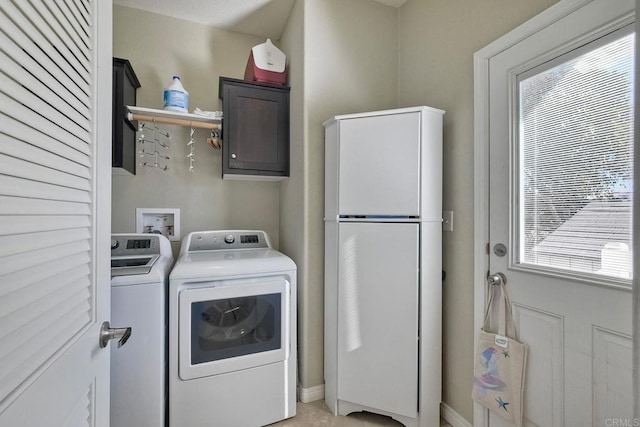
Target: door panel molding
613, 386
545, 332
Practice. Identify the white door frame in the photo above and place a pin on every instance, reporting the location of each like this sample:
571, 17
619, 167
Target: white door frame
481, 155
636, 238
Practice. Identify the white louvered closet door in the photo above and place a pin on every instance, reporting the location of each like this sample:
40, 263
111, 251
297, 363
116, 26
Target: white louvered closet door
55, 185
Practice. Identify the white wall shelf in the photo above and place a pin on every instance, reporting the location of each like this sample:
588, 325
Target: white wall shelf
172, 117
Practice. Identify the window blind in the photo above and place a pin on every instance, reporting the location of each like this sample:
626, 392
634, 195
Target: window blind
576, 160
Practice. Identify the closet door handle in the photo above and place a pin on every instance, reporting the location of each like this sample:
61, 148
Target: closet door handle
107, 333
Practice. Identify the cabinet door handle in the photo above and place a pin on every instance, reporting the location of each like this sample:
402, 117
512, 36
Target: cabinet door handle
233, 156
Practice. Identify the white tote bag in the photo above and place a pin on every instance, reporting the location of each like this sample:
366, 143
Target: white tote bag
500, 363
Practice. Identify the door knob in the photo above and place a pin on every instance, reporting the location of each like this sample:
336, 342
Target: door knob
107, 333
497, 279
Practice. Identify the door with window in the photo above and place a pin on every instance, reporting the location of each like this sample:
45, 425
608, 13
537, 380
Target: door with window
561, 163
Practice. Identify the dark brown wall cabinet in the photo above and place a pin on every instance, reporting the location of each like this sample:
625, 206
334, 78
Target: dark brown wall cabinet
255, 130
123, 143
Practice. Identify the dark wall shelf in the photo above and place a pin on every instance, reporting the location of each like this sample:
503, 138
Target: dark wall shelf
125, 84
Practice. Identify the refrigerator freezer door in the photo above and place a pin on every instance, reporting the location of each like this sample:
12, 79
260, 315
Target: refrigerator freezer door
379, 170
378, 316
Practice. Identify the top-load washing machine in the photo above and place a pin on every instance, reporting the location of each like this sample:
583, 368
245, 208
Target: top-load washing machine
232, 331
140, 265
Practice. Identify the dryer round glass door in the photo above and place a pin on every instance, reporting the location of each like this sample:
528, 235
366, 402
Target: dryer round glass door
230, 325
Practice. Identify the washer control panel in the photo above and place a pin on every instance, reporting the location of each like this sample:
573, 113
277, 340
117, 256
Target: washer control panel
226, 240
133, 254
134, 245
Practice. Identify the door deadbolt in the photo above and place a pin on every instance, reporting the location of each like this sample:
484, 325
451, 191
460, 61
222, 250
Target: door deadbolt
500, 250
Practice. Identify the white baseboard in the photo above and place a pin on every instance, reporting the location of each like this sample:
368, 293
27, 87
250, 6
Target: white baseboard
452, 417
311, 394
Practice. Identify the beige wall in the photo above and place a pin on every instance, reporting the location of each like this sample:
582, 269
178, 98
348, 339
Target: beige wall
292, 191
159, 47
437, 40
343, 59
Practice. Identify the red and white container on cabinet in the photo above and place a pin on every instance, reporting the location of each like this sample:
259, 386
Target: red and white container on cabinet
266, 64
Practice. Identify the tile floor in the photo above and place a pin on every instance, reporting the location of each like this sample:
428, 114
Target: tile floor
316, 414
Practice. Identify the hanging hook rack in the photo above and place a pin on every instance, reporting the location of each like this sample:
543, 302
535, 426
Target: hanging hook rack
193, 121
143, 125
155, 145
191, 144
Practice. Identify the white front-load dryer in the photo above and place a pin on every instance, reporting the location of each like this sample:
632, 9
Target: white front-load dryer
232, 331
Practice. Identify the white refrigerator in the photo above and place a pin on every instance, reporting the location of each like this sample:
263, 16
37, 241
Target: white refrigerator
383, 264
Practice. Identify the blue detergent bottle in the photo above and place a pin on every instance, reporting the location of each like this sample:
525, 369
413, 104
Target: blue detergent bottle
175, 97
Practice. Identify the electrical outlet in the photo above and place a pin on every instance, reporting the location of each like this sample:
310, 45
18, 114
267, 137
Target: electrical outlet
447, 220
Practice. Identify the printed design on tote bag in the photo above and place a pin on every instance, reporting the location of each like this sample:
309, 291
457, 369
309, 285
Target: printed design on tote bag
489, 378
502, 403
